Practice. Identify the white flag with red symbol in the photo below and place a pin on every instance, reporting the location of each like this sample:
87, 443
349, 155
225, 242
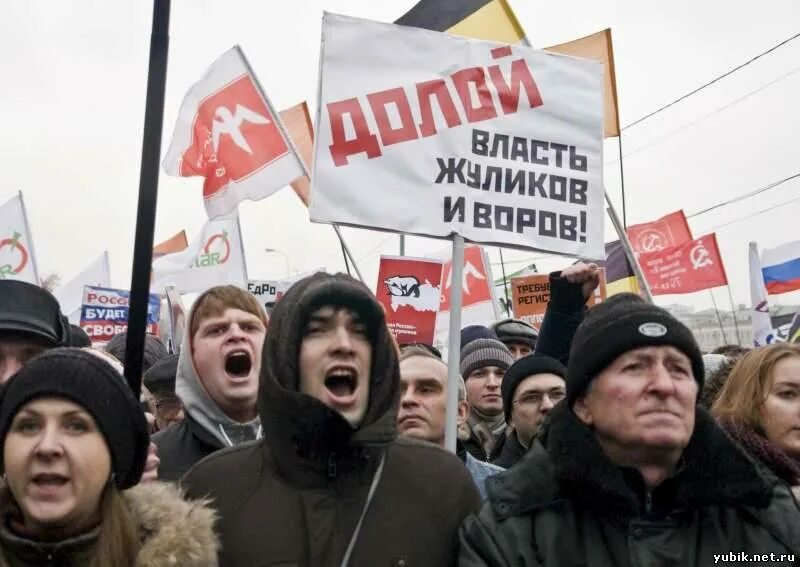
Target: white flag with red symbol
215, 257
227, 133
17, 261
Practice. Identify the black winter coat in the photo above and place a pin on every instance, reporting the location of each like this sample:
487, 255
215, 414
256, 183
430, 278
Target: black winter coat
181, 445
565, 503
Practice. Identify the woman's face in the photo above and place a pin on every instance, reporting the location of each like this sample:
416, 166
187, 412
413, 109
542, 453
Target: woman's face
57, 465
780, 413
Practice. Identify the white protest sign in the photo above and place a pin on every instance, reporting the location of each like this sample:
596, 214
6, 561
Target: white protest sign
269, 292
425, 133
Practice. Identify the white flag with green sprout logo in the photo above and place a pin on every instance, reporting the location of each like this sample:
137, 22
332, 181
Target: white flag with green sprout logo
214, 257
17, 261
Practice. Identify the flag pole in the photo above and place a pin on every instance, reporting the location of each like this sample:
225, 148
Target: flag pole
733, 311
622, 180
719, 318
454, 344
626, 245
241, 247
505, 283
285, 133
613, 72
30, 236
148, 194
346, 263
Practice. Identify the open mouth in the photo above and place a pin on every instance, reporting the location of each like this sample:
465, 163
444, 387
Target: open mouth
238, 364
341, 382
49, 479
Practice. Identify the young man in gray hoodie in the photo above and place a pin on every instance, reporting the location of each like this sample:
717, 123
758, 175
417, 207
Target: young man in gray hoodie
217, 379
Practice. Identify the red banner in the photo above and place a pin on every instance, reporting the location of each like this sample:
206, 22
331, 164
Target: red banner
475, 280
666, 232
409, 290
687, 268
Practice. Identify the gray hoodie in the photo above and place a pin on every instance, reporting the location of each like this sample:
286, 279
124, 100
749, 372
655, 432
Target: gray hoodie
202, 408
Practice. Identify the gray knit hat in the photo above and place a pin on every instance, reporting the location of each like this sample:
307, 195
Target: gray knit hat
154, 349
484, 352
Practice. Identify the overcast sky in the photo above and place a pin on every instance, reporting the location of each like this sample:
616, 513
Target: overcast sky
73, 92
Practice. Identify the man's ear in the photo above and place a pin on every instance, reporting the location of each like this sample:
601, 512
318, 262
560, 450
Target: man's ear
463, 412
582, 411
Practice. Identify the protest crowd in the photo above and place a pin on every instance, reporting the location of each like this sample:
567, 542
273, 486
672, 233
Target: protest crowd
326, 422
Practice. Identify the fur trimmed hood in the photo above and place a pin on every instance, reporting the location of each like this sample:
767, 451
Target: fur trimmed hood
175, 531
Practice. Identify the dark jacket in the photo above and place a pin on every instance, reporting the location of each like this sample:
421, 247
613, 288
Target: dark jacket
475, 448
566, 503
295, 497
173, 532
564, 313
181, 445
512, 452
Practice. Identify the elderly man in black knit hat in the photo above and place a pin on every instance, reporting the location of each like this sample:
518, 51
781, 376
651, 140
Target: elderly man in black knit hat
629, 471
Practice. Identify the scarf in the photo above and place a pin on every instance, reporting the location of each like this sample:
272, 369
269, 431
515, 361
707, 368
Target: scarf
487, 429
787, 468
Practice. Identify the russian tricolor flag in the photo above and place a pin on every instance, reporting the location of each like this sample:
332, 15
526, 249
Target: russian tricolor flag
781, 268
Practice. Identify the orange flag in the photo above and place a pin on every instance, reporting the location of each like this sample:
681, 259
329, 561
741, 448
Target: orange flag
298, 124
598, 47
172, 244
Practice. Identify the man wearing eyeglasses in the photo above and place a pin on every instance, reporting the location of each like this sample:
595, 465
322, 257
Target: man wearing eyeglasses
164, 403
530, 388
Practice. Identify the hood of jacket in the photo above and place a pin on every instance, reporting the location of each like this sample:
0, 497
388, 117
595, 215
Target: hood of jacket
567, 463
305, 435
200, 406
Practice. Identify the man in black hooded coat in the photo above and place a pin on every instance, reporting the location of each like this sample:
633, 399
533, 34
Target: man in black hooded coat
324, 483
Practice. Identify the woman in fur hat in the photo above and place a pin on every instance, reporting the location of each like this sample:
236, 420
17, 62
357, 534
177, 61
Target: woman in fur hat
74, 448
759, 406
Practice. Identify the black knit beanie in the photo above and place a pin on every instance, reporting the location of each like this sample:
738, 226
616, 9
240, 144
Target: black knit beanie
524, 367
85, 379
622, 323
484, 352
474, 332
